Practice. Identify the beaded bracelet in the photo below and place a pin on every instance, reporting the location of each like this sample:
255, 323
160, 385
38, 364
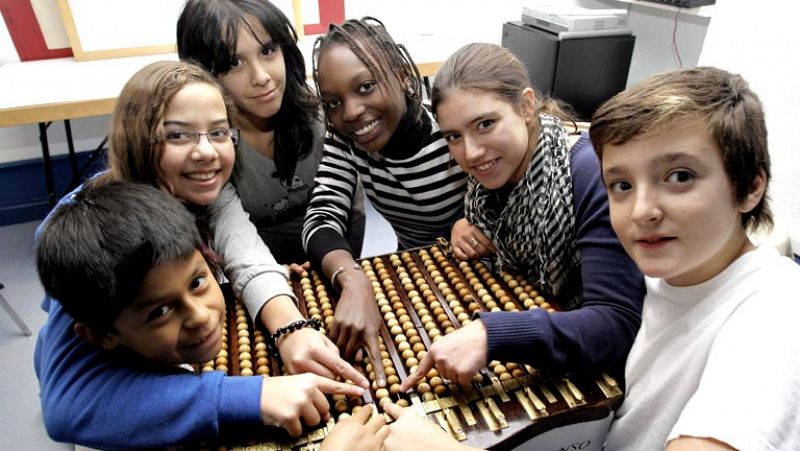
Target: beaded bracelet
272, 342
338, 271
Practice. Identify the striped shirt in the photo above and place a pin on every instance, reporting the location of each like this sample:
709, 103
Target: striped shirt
419, 190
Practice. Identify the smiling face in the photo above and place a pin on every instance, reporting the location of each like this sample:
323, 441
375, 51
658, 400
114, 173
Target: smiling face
487, 135
257, 78
359, 106
195, 173
177, 316
673, 205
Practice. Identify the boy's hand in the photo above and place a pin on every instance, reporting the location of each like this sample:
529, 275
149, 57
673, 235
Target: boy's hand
361, 432
412, 432
286, 400
357, 320
308, 351
457, 356
469, 242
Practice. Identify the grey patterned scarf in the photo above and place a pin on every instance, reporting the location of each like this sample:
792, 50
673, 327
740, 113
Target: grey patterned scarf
535, 231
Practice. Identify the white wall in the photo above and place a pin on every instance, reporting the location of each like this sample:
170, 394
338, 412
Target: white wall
757, 42
761, 43
435, 25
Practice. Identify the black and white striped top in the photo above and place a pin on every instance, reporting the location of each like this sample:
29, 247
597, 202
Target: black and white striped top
416, 185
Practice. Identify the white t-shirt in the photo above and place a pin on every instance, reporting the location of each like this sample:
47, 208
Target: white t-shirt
719, 359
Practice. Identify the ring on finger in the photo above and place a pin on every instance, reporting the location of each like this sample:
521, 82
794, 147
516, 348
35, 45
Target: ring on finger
473, 242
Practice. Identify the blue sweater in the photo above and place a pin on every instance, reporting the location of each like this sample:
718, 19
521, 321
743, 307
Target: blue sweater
599, 334
102, 399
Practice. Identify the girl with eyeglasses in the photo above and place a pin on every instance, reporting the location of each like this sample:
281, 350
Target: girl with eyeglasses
171, 128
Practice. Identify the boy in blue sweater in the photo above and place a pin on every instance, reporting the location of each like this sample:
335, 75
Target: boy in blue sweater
127, 262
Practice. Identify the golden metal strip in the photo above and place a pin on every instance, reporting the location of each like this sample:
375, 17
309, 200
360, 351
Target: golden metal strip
487, 416
537, 403
565, 393
526, 404
548, 394
498, 414
455, 425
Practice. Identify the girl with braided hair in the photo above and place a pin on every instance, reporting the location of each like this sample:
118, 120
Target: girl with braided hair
378, 131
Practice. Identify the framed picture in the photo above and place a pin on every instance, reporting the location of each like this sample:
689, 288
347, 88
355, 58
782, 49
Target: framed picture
100, 29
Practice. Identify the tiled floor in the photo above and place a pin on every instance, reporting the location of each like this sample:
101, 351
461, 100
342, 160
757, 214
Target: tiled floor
21, 425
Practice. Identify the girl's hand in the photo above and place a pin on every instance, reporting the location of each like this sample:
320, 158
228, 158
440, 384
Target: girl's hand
469, 242
308, 351
412, 432
357, 320
457, 356
361, 432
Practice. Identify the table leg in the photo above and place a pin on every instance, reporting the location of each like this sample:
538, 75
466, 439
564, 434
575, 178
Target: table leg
73, 160
48, 164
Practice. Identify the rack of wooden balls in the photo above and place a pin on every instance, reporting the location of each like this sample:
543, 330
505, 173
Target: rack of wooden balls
424, 294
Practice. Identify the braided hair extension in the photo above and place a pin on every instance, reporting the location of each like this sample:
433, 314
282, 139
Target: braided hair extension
388, 61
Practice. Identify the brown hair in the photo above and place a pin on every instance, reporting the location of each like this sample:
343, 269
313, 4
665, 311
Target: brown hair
490, 67
134, 151
720, 100
388, 61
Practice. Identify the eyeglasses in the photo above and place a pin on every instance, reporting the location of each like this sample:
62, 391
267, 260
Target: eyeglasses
188, 137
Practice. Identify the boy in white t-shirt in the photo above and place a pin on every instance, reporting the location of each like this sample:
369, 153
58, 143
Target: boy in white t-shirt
716, 363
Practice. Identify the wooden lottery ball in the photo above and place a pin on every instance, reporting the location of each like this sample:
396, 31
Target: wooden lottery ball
545, 305
423, 388
381, 393
458, 309
246, 371
394, 389
396, 329
244, 340
341, 406
412, 333
241, 326
463, 316
429, 326
490, 304
407, 354
414, 339
206, 368
412, 361
509, 306
262, 361
393, 379
245, 364
403, 346
434, 333
223, 368
441, 317
452, 329
417, 347
243, 333
389, 371
244, 355
505, 377
262, 370
441, 390
392, 322
517, 372
244, 348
